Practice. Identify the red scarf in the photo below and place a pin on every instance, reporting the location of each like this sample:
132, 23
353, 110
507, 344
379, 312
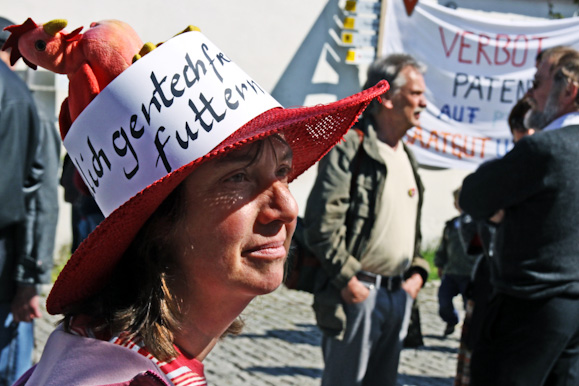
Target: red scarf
181, 371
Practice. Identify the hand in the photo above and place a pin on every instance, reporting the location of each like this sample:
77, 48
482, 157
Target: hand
355, 291
440, 272
413, 284
26, 304
498, 217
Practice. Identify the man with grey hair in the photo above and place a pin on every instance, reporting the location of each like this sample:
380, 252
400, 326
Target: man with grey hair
530, 333
541, 117
362, 222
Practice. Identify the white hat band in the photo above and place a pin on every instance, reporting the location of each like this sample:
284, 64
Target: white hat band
167, 109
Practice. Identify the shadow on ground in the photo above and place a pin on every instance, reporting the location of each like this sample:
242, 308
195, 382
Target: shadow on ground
417, 380
403, 380
287, 370
309, 334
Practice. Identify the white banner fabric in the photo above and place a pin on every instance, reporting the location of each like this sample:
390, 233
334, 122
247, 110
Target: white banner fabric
478, 68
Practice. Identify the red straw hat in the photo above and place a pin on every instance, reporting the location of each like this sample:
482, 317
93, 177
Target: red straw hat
134, 145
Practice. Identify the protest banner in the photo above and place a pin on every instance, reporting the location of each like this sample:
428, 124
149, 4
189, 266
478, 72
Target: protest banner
478, 67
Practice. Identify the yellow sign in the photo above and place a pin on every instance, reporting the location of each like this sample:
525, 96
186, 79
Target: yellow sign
359, 39
361, 7
362, 55
350, 6
361, 23
347, 37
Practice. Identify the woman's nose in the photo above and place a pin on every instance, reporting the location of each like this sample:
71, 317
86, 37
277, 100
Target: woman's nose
280, 205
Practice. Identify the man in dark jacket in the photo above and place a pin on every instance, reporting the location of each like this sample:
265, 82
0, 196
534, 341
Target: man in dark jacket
530, 333
363, 222
29, 155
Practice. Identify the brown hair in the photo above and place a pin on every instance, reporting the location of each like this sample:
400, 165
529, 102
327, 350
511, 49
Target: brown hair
137, 298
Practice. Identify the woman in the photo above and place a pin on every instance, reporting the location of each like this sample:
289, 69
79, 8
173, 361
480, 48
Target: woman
181, 253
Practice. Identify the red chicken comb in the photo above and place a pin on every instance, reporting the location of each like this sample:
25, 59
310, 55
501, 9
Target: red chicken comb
74, 35
16, 31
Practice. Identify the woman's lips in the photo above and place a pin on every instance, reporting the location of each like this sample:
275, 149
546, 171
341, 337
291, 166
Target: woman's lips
270, 251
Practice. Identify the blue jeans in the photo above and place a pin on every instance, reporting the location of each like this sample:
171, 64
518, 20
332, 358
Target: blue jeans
16, 345
451, 286
369, 353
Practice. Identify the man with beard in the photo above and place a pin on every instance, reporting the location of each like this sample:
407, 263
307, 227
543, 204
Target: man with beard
530, 333
363, 223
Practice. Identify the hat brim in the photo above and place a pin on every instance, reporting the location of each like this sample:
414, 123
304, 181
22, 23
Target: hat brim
310, 131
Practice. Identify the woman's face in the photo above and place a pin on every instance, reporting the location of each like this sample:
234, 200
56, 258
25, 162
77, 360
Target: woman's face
237, 224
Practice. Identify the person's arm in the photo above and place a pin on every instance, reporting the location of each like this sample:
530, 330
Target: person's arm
18, 141
416, 276
25, 305
501, 183
46, 218
326, 211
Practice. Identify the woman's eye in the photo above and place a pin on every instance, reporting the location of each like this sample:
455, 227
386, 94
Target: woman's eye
284, 171
238, 177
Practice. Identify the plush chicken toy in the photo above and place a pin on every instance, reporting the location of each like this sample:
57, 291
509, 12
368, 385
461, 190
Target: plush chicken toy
90, 60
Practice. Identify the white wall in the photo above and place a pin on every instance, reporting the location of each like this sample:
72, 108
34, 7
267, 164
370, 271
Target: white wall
289, 47
261, 36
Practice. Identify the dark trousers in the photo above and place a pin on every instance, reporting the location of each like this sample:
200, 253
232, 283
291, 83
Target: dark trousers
528, 342
451, 286
16, 339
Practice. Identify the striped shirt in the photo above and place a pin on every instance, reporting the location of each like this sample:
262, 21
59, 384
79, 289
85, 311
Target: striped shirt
180, 371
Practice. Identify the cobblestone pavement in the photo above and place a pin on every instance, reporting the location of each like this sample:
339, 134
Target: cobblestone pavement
280, 345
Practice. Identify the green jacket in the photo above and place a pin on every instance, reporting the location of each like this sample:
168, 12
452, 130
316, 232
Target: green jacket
340, 217
451, 255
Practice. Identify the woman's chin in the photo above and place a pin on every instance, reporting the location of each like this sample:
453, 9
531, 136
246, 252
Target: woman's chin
271, 284
267, 283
